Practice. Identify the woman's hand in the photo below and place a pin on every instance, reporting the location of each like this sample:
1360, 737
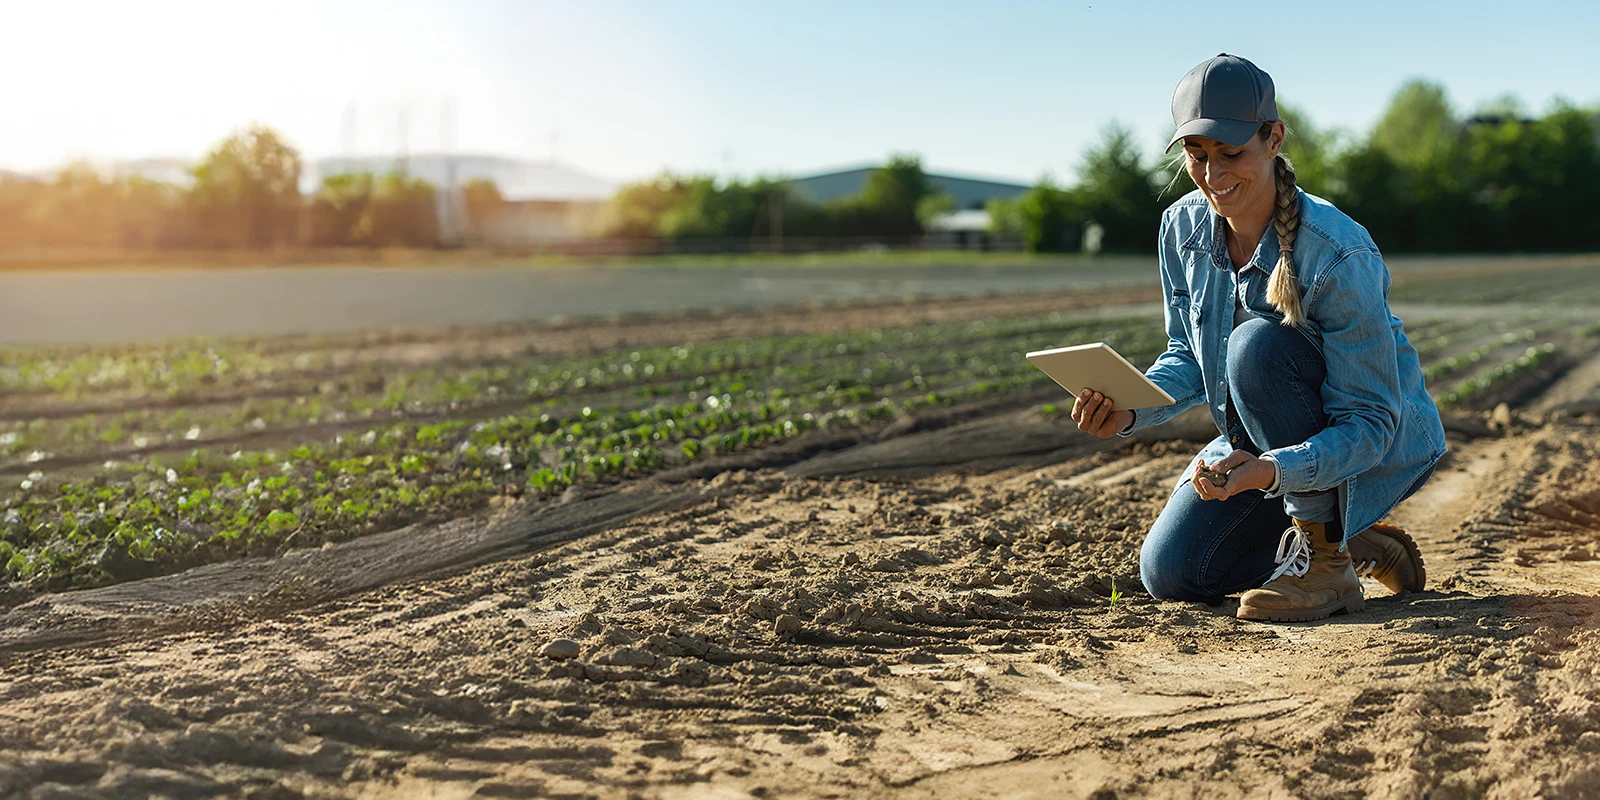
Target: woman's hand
1245, 472
1092, 411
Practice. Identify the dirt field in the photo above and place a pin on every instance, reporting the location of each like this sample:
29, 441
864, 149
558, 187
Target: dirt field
944, 605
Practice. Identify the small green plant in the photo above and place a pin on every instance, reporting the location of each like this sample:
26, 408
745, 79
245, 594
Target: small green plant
1116, 594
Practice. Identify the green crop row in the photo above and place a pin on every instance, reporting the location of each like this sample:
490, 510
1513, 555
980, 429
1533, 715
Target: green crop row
1450, 366
1527, 362
166, 514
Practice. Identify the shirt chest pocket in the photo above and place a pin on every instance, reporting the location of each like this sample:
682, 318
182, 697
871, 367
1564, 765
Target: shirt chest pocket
1182, 303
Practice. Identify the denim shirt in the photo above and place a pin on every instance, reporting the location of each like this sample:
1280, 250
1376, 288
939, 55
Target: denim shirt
1384, 433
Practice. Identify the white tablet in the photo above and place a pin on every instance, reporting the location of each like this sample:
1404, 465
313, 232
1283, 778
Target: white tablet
1098, 367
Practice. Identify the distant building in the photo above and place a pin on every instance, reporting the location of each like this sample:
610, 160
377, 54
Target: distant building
966, 228
544, 201
969, 193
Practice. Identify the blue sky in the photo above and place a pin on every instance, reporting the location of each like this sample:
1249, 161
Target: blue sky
625, 88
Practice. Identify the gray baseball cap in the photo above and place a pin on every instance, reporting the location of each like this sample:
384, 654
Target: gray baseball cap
1225, 98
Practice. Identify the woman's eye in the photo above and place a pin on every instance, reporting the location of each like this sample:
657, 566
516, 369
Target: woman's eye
1233, 155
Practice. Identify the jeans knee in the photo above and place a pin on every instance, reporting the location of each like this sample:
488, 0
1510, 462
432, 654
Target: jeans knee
1252, 345
1168, 574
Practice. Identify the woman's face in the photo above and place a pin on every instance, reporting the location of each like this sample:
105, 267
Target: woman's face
1238, 181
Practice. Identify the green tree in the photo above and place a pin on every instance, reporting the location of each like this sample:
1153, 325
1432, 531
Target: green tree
246, 191
636, 210
340, 211
887, 204
1313, 151
1050, 219
1408, 177
1528, 180
735, 210
403, 212
1419, 127
1116, 190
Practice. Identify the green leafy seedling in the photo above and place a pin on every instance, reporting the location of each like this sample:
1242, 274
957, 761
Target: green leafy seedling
1116, 594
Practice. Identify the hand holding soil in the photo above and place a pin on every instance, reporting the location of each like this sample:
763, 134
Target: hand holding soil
1239, 472
1092, 411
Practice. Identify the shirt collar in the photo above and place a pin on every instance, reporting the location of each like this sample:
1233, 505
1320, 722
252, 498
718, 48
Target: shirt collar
1210, 237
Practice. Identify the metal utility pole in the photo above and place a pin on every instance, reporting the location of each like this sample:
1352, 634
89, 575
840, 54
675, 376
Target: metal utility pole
401, 165
448, 204
775, 210
349, 136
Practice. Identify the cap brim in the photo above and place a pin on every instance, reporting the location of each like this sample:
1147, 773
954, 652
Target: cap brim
1234, 132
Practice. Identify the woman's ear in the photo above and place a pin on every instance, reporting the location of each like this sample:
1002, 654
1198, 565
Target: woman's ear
1275, 139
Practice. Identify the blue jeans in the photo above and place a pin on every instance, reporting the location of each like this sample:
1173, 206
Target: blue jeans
1201, 550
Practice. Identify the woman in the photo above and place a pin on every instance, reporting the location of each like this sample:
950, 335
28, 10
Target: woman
1278, 317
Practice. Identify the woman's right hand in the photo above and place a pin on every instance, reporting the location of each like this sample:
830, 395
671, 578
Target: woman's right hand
1092, 411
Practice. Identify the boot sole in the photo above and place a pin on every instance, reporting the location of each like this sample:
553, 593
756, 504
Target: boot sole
1348, 605
1399, 535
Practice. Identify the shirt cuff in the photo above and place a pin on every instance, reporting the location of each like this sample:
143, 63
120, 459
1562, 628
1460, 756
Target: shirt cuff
1131, 423
1277, 474
1297, 468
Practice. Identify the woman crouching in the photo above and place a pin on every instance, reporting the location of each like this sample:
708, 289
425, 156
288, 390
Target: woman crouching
1278, 318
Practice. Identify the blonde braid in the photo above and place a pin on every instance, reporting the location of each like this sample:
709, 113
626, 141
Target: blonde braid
1283, 291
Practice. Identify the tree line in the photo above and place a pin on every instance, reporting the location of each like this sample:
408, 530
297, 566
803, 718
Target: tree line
896, 201
1425, 179
245, 193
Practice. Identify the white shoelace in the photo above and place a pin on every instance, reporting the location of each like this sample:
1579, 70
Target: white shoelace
1294, 553
1364, 568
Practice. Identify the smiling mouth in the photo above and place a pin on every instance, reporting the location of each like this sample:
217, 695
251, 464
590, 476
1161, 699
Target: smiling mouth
1221, 195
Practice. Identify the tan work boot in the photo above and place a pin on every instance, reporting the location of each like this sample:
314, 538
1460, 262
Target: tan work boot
1313, 580
1390, 555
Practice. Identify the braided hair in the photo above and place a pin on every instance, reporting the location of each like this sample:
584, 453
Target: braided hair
1283, 290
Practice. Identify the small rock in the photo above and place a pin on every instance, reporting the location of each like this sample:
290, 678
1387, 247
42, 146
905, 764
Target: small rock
561, 649
786, 626
1501, 417
849, 559
1003, 578
995, 538
1060, 531
1589, 742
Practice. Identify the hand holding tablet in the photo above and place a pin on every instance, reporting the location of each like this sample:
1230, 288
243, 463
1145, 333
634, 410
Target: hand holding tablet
1101, 369
1105, 386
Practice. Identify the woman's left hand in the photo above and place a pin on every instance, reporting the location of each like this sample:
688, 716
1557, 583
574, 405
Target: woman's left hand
1245, 472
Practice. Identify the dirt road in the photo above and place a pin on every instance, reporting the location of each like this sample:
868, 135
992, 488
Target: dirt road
123, 305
